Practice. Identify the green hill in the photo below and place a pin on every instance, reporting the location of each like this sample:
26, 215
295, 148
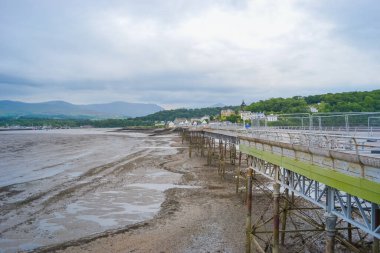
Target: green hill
358, 101
170, 115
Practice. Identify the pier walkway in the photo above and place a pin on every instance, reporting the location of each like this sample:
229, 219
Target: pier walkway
336, 170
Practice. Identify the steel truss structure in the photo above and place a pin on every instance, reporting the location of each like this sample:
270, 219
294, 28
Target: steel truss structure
357, 211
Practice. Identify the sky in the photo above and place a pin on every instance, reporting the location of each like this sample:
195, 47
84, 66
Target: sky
186, 53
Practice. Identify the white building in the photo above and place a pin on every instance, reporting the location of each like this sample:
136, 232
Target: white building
258, 115
181, 121
247, 115
170, 124
272, 118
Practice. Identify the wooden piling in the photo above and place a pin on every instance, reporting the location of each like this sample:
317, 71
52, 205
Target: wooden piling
349, 232
237, 179
202, 146
209, 152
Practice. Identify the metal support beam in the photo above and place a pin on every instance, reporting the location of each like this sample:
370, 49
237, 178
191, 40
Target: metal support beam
284, 216
330, 232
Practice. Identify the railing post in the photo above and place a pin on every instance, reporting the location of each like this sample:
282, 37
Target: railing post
310, 122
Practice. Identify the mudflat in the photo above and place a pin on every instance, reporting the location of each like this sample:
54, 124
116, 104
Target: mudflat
207, 218
115, 192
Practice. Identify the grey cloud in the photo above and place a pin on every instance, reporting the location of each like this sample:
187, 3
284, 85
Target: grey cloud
356, 22
16, 81
185, 52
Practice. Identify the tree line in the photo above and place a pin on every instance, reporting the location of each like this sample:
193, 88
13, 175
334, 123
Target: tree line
363, 101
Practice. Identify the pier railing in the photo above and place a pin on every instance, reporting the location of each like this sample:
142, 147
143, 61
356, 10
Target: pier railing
359, 144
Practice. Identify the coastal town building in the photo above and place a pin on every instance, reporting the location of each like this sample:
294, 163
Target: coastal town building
258, 115
170, 124
181, 122
272, 118
246, 115
227, 112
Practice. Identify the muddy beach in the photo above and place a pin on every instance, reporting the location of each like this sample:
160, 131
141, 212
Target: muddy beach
206, 218
149, 197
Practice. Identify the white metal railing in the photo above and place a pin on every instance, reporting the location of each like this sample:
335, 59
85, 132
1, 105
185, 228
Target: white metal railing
331, 140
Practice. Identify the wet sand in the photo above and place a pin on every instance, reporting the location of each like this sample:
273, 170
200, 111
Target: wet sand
154, 199
207, 218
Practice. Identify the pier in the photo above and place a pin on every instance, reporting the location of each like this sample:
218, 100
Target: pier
320, 184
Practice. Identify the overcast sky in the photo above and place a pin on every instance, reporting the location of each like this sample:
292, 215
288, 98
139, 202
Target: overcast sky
186, 53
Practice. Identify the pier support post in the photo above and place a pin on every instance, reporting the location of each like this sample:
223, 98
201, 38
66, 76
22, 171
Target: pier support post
232, 159
225, 148
249, 211
330, 232
237, 179
209, 154
276, 218
284, 216
220, 156
349, 232
203, 143
376, 246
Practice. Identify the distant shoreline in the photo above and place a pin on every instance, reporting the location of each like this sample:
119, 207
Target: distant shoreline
17, 129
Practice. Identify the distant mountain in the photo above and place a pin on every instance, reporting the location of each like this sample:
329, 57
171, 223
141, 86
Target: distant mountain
63, 109
217, 105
